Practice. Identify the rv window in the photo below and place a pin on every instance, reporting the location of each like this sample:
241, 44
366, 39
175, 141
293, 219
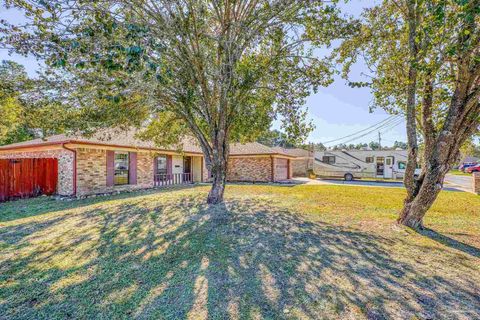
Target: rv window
369, 159
389, 162
328, 159
402, 165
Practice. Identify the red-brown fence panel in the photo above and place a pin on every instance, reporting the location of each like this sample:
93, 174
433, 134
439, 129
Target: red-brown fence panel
3, 179
23, 178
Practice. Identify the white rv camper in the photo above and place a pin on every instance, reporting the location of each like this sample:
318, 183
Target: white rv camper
350, 164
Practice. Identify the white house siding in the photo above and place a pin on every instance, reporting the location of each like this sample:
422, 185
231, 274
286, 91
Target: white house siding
177, 164
197, 168
355, 161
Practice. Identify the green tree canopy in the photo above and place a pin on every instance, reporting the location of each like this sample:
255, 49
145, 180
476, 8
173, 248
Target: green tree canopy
25, 107
219, 70
424, 58
275, 138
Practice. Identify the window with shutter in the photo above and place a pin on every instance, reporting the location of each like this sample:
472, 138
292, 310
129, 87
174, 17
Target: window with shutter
122, 168
132, 168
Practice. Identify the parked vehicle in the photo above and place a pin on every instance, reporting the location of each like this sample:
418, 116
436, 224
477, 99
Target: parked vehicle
357, 164
475, 168
464, 166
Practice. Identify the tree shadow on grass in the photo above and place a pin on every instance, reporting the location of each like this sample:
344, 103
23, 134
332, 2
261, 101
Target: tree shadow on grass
178, 258
24, 208
450, 242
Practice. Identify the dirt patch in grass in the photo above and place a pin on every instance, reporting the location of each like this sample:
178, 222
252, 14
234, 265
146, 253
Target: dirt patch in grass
270, 252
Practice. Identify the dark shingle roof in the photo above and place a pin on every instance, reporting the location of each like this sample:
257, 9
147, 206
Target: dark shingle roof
129, 138
111, 137
295, 152
469, 159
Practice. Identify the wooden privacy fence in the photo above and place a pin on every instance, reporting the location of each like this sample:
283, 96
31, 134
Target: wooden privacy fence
171, 179
23, 178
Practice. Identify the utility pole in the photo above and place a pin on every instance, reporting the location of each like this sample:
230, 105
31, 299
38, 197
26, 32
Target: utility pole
379, 140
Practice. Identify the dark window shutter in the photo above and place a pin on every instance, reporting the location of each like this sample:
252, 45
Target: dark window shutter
132, 168
169, 164
155, 165
110, 168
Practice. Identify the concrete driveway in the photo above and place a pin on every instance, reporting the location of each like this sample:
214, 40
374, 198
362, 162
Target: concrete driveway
463, 185
461, 182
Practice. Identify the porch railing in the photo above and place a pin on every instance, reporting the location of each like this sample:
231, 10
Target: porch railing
172, 179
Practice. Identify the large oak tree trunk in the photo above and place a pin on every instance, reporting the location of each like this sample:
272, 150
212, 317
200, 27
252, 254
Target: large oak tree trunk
428, 187
217, 165
219, 172
412, 145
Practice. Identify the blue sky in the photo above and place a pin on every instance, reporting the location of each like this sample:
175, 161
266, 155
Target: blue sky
336, 111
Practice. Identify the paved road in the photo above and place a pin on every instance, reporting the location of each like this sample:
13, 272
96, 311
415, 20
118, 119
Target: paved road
463, 182
390, 184
462, 185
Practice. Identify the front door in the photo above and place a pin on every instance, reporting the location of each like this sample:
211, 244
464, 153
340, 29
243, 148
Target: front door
388, 171
187, 168
380, 166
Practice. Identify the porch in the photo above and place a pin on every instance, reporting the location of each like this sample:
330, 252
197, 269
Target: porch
176, 170
161, 180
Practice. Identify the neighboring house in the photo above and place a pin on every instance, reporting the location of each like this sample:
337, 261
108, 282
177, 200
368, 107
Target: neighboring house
469, 160
349, 164
77, 165
303, 160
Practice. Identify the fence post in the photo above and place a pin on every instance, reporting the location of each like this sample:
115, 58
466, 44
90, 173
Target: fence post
476, 182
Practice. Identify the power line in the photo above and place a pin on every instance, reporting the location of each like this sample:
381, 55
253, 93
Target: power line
389, 126
393, 126
381, 123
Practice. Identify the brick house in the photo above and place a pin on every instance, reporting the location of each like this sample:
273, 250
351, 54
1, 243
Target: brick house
301, 162
119, 162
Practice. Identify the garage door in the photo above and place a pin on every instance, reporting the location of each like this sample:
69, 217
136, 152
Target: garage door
281, 169
23, 178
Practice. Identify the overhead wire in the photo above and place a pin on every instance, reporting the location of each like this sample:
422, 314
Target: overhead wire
378, 124
385, 124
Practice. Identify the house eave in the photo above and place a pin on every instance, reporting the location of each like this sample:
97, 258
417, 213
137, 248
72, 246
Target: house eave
80, 144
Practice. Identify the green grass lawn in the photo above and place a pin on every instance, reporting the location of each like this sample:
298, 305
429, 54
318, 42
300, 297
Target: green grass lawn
271, 252
459, 173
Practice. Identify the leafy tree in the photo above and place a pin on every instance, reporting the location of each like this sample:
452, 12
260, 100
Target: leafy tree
275, 138
470, 148
13, 80
374, 145
360, 146
26, 112
221, 71
400, 145
424, 57
339, 146
319, 147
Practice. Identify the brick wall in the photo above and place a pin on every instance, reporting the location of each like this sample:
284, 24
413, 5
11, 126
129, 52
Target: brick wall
476, 182
253, 169
92, 172
250, 169
300, 167
65, 166
145, 169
